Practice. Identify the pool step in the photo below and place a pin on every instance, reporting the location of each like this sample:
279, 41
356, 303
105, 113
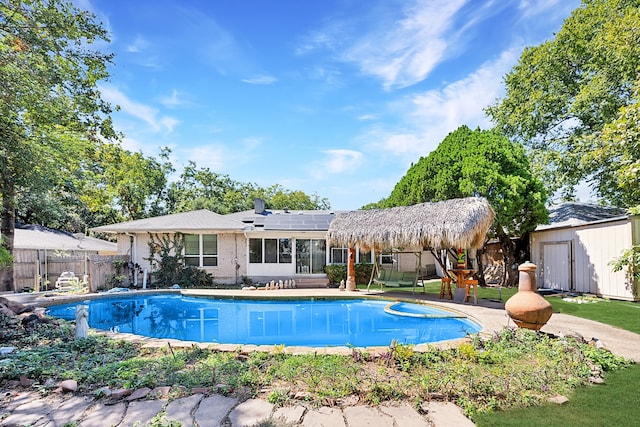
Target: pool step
312, 282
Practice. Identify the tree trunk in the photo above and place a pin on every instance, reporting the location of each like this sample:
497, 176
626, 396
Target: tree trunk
7, 229
510, 277
479, 254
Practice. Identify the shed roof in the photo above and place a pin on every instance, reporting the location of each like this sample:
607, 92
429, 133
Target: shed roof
448, 224
202, 219
571, 214
43, 238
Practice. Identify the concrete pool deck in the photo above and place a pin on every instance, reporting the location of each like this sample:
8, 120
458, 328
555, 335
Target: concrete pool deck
26, 407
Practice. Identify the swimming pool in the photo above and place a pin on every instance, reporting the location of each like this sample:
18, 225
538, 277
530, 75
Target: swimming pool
301, 322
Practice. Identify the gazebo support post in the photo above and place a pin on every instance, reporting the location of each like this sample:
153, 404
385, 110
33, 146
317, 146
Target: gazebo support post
351, 269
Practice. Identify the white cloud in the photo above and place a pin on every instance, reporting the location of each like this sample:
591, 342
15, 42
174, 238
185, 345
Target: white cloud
173, 100
260, 80
404, 52
143, 112
536, 7
221, 157
431, 115
138, 45
335, 162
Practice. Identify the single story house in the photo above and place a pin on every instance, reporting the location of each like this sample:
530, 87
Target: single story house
574, 251
260, 244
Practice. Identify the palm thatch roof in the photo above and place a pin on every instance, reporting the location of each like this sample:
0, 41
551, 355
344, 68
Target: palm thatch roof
455, 223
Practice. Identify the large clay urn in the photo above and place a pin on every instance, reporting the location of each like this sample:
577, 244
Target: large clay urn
527, 308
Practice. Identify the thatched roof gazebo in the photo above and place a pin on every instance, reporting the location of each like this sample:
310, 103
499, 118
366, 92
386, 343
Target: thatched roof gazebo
455, 223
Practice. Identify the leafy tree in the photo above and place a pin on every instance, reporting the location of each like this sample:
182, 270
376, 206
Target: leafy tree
479, 163
201, 188
50, 108
277, 197
120, 185
574, 101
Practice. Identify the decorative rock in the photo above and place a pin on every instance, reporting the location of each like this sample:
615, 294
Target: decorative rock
139, 394
527, 308
26, 382
68, 385
6, 350
103, 391
559, 399
160, 392
302, 395
596, 380
200, 390
120, 393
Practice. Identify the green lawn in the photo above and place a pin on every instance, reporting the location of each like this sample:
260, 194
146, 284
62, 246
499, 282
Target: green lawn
614, 403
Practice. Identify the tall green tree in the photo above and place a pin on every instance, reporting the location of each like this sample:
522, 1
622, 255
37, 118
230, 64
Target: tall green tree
480, 163
50, 107
119, 185
563, 94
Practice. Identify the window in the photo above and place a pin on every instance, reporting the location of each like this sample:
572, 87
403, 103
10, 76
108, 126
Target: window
255, 251
339, 255
270, 251
201, 250
364, 257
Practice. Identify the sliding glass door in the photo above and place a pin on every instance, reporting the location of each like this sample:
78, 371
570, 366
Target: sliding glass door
311, 256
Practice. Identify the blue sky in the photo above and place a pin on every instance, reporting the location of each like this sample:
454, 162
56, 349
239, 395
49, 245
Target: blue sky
332, 97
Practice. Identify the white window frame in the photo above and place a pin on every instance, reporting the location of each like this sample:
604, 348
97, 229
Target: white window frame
201, 255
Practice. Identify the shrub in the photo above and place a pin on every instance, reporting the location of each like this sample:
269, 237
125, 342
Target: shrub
336, 273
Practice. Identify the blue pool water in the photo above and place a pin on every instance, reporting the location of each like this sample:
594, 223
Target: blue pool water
312, 323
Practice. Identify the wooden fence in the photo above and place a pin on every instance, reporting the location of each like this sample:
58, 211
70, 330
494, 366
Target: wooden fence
38, 269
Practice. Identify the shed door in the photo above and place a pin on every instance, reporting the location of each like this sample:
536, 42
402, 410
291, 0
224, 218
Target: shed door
557, 265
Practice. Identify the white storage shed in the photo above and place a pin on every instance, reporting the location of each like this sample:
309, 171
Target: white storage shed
574, 251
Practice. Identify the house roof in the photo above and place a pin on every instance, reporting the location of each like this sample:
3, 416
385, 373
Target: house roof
45, 238
571, 214
447, 224
182, 222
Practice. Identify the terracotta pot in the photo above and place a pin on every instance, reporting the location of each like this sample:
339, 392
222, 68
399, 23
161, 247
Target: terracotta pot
527, 308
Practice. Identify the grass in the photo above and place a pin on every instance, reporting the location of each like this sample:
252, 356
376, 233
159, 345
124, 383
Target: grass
623, 314
612, 404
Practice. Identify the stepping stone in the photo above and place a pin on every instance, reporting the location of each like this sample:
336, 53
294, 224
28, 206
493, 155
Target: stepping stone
214, 409
404, 415
290, 414
447, 413
182, 409
70, 410
366, 416
140, 413
104, 415
29, 412
323, 417
250, 412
